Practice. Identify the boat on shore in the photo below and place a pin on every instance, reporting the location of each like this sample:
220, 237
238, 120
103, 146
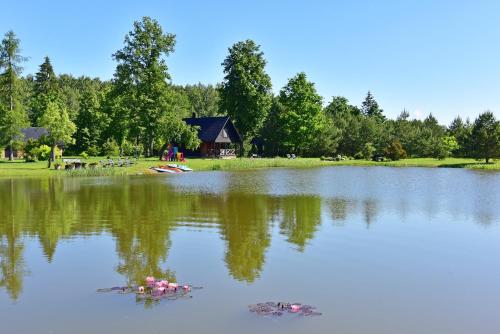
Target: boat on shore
172, 169
183, 168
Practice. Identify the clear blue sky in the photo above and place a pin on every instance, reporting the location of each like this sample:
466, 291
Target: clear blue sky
426, 56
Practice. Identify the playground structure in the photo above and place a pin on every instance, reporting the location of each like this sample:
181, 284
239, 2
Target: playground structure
172, 154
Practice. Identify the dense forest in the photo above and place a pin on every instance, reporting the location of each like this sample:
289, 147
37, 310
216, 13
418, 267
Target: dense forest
140, 109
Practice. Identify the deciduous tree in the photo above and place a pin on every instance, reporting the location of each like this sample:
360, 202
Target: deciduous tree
245, 93
60, 128
143, 91
302, 117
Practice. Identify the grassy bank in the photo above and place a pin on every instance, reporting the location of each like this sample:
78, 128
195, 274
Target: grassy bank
39, 169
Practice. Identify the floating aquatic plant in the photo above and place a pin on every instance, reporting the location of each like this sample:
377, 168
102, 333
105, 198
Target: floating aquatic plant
155, 290
281, 308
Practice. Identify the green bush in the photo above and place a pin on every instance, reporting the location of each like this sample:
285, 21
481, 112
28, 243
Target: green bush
110, 148
33, 151
395, 151
30, 150
359, 156
129, 149
368, 150
84, 155
93, 151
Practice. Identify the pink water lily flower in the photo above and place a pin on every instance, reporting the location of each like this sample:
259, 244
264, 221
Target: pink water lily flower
140, 289
150, 279
186, 287
164, 283
162, 289
173, 286
295, 308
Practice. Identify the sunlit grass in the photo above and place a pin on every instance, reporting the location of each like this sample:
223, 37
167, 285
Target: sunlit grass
19, 168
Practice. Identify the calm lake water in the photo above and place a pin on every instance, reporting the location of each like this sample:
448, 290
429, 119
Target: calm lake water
376, 250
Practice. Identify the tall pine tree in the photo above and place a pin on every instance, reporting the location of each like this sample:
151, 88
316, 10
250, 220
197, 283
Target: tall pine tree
45, 90
485, 137
12, 113
370, 108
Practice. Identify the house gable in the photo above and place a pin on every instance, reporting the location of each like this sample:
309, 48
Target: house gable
215, 129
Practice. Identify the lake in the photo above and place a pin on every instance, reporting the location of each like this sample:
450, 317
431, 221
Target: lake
376, 250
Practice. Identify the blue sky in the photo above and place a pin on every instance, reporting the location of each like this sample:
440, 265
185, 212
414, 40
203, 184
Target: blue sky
426, 56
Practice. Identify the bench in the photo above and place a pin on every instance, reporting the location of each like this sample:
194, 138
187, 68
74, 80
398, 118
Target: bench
71, 161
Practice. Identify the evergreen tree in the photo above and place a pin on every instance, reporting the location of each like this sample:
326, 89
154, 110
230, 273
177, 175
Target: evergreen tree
45, 90
346, 122
461, 131
12, 113
406, 132
370, 108
485, 137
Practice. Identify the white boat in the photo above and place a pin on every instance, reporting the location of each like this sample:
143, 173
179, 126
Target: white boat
164, 170
183, 168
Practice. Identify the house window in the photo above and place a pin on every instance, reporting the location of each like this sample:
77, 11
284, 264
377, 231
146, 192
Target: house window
224, 133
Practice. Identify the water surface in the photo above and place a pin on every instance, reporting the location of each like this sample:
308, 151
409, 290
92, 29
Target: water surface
377, 250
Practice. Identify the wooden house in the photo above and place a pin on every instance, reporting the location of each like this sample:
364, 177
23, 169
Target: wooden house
218, 135
34, 133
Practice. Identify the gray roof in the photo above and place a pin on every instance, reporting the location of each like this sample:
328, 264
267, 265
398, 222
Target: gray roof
34, 133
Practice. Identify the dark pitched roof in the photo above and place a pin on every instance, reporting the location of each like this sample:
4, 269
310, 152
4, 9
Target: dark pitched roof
210, 127
34, 133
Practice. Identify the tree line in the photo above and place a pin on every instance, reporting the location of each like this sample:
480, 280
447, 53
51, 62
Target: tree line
140, 110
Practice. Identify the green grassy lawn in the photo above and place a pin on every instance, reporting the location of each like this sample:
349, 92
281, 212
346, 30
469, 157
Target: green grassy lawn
19, 168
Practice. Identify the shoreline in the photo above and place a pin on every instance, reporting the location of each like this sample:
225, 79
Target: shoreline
21, 169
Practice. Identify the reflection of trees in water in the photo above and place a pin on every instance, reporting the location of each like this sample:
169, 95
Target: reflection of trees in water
245, 225
339, 208
300, 217
369, 211
12, 266
141, 214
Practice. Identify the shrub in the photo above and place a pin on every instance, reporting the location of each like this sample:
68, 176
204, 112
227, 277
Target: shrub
110, 148
93, 151
30, 150
395, 151
84, 155
42, 152
359, 156
129, 149
446, 146
368, 151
